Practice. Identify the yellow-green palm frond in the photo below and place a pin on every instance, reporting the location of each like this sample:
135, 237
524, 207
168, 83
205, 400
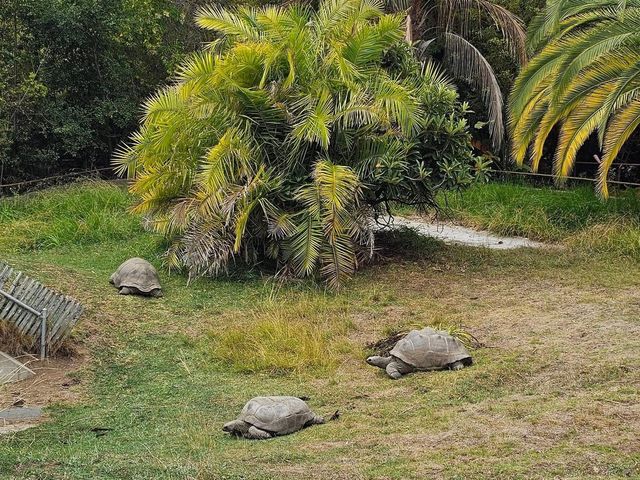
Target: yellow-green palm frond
585, 79
233, 157
621, 126
398, 102
241, 23
578, 127
561, 16
315, 116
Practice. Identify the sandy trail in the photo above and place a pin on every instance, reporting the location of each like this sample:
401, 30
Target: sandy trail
457, 235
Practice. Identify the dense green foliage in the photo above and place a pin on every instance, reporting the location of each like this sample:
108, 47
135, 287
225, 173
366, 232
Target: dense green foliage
284, 138
584, 78
73, 74
448, 29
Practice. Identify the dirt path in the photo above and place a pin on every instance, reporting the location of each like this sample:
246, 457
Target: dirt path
457, 235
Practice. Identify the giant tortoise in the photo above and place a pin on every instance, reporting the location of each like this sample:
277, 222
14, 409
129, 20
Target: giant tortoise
136, 276
266, 417
421, 350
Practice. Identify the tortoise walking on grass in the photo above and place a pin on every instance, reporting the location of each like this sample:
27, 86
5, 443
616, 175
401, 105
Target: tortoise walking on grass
266, 417
425, 349
136, 276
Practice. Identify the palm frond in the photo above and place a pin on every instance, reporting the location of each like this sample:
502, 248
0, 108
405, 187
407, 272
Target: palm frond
623, 124
467, 63
241, 23
585, 79
511, 27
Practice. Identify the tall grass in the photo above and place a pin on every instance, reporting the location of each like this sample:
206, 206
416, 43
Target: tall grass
543, 213
84, 213
306, 335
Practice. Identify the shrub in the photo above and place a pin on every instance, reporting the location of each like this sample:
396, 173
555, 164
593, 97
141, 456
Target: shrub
284, 138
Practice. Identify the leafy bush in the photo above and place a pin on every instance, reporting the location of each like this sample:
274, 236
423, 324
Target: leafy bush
443, 28
73, 74
284, 138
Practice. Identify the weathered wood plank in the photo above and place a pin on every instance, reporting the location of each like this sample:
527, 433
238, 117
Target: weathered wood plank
62, 312
20, 294
15, 289
32, 299
66, 318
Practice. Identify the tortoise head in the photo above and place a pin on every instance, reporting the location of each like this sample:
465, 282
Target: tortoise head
378, 361
236, 427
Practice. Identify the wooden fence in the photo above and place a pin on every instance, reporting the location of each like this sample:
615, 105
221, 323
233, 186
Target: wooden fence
30, 306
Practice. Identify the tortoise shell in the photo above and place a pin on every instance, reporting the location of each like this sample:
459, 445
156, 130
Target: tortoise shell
430, 349
136, 273
279, 415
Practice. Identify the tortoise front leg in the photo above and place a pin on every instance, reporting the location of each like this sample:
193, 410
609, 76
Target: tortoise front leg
125, 291
257, 434
393, 370
317, 420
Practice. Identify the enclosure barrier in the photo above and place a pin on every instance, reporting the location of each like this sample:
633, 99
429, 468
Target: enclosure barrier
35, 310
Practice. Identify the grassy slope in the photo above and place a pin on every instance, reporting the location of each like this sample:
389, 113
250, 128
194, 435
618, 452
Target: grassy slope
557, 393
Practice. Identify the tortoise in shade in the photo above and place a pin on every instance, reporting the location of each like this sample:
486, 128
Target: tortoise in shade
136, 276
267, 417
423, 350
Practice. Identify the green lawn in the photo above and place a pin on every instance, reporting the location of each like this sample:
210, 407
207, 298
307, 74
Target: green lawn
554, 394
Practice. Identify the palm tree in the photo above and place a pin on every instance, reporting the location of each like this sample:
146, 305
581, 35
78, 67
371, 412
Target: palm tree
449, 22
584, 78
282, 139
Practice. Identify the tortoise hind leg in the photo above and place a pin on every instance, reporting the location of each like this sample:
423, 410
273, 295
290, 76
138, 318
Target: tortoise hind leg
316, 420
125, 291
257, 434
456, 366
397, 368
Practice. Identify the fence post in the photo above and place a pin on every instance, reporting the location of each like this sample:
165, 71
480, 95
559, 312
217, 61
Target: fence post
43, 334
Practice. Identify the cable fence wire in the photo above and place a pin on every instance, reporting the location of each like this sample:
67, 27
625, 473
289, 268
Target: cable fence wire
15, 188
550, 176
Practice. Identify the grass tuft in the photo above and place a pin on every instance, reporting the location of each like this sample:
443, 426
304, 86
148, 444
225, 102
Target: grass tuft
282, 339
12, 341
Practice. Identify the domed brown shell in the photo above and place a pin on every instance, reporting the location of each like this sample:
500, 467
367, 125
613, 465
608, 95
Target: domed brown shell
136, 273
279, 415
430, 349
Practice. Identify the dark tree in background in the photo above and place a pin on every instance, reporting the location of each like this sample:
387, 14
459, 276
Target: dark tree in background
73, 74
